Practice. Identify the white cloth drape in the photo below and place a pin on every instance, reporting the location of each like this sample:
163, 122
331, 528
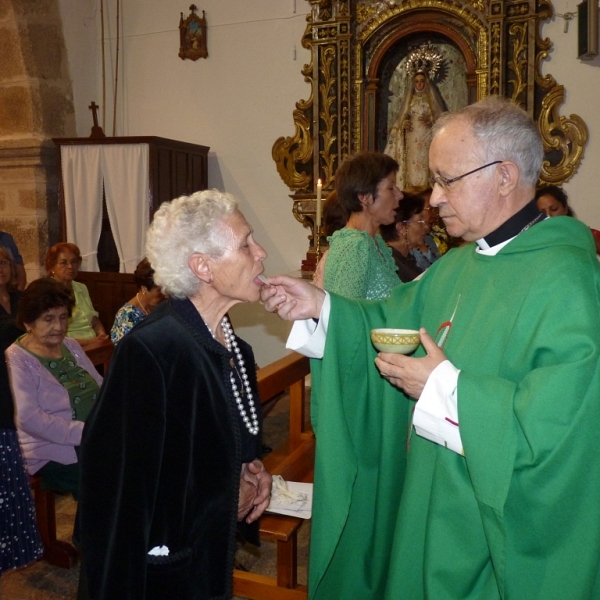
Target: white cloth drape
126, 182
124, 169
82, 184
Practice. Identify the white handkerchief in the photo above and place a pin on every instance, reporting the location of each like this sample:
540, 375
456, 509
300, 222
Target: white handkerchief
159, 551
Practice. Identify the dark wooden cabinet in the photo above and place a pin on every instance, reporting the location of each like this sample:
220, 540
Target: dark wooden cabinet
175, 168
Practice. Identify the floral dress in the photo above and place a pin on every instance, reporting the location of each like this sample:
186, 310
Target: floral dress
126, 318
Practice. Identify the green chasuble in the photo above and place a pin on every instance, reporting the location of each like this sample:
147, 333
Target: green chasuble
518, 516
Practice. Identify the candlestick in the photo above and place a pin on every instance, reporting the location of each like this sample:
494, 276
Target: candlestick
318, 214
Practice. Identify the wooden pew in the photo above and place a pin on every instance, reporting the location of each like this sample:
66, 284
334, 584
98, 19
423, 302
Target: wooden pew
56, 552
294, 461
100, 352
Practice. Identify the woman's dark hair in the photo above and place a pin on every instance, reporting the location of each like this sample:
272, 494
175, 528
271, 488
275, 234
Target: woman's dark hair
408, 207
52, 254
334, 217
361, 174
144, 275
40, 296
557, 193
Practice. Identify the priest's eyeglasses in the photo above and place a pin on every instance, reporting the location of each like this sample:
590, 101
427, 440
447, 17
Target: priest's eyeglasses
445, 183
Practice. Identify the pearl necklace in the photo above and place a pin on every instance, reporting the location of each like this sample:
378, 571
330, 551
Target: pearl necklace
140, 303
251, 421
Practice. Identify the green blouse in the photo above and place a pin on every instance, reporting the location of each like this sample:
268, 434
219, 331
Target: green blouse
80, 385
359, 266
80, 324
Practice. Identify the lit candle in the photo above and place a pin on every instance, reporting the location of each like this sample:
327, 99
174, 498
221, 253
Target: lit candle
318, 216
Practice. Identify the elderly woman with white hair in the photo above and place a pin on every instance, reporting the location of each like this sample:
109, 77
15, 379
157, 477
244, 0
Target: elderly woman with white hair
169, 454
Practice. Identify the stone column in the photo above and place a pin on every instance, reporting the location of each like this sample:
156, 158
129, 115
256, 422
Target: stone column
35, 105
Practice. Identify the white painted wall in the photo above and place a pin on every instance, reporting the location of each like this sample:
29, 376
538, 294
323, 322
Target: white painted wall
240, 100
582, 82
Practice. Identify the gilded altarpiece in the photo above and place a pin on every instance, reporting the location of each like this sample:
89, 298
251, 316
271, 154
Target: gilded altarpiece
354, 45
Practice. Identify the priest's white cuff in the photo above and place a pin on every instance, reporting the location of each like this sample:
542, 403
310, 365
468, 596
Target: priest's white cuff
307, 337
436, 414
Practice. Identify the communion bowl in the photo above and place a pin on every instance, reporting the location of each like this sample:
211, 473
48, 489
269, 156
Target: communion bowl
398, 341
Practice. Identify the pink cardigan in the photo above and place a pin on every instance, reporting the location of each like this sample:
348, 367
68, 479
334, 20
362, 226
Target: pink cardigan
43, 413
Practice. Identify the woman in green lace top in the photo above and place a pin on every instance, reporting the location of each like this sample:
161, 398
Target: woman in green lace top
359, 264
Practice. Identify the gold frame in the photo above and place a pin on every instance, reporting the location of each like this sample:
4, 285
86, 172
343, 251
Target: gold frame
192, 35
347, 38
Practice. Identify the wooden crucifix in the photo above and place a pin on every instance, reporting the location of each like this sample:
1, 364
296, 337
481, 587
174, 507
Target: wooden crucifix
97, 131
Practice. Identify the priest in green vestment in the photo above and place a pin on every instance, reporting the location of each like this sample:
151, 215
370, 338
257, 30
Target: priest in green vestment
501, 493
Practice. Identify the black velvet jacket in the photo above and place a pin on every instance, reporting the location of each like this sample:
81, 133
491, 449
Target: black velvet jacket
160, 465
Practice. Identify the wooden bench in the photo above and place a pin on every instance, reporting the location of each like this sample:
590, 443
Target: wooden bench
100, 352
294, 461
56, 552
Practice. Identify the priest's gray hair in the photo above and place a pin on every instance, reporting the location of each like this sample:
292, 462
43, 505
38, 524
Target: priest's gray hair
180, 228
505, 132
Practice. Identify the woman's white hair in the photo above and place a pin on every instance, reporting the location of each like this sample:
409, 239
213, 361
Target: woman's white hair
180, 228
505, 131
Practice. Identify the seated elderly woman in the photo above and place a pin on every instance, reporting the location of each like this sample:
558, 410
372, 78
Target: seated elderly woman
62, 263
54, 386
147, 298
405, 233
174, 438
9, 293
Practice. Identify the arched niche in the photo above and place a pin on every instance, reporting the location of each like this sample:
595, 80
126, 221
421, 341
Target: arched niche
395, 40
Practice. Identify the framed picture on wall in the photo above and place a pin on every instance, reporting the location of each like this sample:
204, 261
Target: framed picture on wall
587, 29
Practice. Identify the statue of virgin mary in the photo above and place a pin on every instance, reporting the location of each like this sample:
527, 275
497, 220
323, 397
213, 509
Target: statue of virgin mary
409, 136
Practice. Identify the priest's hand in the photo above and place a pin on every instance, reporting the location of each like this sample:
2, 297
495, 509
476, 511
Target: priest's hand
411, 374
255, 491
291, 298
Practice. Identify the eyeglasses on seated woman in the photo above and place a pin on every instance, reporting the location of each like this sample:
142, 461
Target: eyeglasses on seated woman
62, 263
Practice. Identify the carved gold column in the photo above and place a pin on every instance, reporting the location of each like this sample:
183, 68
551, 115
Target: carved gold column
321, 140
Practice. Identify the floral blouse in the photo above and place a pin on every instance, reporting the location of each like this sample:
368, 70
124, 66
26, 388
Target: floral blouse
126, 318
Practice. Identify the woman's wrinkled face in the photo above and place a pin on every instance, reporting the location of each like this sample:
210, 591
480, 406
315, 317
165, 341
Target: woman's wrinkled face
66, 267
419, 82
50, 328
416, 229
551, 206
236, 271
